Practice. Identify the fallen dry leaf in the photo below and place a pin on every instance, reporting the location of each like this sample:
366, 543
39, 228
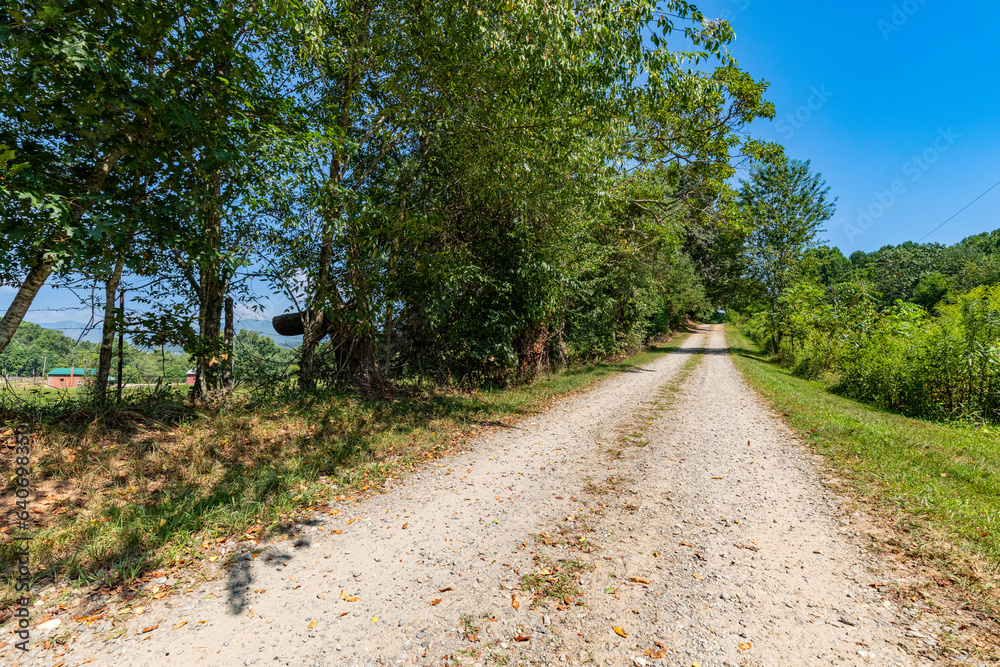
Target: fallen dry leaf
513, 601
445, 590
336, 532
88, 619
687, 544
640, 580
405, 525
619, 631
697, 576
350, 521
522, 638
746, 646
150, 628
655, 654
312, 624
435, 601
179, 625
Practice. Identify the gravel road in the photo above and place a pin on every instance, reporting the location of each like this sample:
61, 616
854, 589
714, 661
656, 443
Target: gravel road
665, 517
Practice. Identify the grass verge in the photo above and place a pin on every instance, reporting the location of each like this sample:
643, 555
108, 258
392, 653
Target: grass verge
936, 486
163, 485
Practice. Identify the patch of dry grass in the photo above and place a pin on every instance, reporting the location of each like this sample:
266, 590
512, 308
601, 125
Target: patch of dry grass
150, 484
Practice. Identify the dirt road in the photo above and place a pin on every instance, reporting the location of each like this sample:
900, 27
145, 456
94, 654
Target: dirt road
665, 517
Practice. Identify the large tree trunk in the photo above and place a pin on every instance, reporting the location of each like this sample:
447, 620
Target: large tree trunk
108, 333
42, 269
22, 300
210, 303
314, 322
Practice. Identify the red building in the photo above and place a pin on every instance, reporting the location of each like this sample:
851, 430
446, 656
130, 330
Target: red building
64, 378
191, 375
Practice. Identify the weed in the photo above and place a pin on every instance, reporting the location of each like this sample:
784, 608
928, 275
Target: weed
555, 580
469, 627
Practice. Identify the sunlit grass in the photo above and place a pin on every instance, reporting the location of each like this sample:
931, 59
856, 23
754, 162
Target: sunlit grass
940, 482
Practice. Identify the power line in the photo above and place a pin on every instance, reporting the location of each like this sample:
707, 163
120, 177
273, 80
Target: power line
957, 214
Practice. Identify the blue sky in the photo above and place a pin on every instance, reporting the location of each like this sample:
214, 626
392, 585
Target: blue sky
882, 96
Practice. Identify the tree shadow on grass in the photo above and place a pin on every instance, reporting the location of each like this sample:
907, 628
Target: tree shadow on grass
163, 478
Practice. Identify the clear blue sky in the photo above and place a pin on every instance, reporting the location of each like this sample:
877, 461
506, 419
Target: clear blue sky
880, 93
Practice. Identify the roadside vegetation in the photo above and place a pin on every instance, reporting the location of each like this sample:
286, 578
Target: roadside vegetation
912, 328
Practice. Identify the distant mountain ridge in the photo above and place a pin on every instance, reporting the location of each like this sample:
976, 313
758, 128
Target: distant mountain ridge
76, 331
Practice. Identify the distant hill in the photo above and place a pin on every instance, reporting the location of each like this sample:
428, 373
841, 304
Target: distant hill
75, 330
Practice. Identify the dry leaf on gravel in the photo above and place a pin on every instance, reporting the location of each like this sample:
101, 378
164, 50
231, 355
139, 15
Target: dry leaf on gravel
656, 654
435, 601
348, 598
179, 625
445, 590
687, 544
313, 624
150, 628
640, 580
522, 638
619, 631
746, 646
697, 576
513, 601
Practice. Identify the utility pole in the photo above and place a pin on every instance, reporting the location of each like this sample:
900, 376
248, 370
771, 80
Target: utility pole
121, 343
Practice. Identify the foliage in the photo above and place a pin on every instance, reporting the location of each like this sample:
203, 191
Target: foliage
784, 205
944, 366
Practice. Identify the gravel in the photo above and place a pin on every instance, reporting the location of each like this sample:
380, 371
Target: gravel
747, 556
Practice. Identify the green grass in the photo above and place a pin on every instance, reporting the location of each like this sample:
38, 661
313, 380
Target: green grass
939, 483
150, 485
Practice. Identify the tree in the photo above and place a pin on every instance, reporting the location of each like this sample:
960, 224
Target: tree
461, 151
785, 206
101, 99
